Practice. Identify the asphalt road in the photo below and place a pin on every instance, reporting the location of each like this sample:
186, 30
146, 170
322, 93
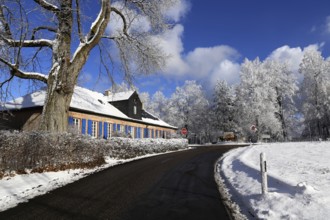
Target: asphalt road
171, 186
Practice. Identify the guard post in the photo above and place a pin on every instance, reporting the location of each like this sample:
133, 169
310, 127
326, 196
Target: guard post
263, 169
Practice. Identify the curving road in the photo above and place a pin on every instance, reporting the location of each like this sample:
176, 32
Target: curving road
178, 185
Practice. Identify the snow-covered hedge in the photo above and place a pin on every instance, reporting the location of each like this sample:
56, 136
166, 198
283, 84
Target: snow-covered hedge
38, 151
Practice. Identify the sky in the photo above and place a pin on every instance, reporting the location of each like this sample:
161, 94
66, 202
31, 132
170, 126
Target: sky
212, 38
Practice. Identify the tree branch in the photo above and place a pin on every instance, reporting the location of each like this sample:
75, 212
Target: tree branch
6, 81
48, 6
96, 32
4, 22
24, 75
123, 19
79, 22
27, 43
51, 29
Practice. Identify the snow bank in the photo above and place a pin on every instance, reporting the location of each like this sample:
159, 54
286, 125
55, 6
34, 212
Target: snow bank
298, 180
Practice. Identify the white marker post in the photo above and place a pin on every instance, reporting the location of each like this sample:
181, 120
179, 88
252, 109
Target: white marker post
263, 169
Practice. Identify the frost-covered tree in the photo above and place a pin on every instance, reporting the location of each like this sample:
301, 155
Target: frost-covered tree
50, 41
224, 107
284, 85
188, 106
146, 102
315, 90
256, 100
159, 105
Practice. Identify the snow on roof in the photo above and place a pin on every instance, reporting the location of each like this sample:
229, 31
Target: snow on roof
120, 96
156, 122
30, 100
82, 99
96, 102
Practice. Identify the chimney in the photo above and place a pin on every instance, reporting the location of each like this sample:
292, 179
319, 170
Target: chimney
107, 93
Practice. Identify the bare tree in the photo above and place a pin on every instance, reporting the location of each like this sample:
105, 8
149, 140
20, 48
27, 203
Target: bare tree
31, 31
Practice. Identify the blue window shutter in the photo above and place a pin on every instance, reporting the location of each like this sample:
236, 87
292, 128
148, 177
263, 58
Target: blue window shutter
130, 131
100, 129
70, 120
83, 126
152, 133
145, 133
118, 127
126, 129
105, 135
89, 127
114, 126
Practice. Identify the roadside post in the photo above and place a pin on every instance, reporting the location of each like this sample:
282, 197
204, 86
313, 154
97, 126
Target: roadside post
263, 169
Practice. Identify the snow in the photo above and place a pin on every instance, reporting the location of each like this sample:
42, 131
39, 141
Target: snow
95, 102
82, 99
21, 188
156, 122
120, 96
298, 180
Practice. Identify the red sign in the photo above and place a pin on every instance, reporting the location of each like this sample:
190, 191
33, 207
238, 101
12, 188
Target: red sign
253, 128
184, 131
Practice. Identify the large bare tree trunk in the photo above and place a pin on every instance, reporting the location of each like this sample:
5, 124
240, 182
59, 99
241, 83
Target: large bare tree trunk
61, 80
65, 70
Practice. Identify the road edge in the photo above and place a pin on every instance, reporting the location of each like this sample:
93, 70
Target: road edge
232, 209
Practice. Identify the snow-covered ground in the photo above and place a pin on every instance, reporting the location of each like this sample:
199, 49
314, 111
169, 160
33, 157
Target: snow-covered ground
21, 188
298, 180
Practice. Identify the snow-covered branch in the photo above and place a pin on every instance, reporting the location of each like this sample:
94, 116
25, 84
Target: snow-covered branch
48, 6
14, 70
96, 32
28, 43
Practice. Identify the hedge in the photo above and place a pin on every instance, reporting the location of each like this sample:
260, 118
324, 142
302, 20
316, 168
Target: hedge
41, 151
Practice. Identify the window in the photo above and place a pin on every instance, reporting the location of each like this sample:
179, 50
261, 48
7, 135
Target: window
76, 123
135, 110
133, 132
109, 130
94, 129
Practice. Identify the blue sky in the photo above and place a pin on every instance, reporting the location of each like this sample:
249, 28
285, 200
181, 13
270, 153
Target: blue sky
212, 38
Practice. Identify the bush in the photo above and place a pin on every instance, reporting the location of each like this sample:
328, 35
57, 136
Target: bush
41, 151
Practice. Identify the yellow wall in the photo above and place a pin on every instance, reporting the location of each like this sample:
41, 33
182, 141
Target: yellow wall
110, 120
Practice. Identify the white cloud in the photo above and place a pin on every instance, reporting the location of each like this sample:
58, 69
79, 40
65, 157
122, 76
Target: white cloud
172, 45
226, 70
178, 10
292, 56
208, 64
203, 61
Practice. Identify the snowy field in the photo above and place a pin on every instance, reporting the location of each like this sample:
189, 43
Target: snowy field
21, 188
298, 180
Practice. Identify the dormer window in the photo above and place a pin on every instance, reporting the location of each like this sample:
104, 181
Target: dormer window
135, 110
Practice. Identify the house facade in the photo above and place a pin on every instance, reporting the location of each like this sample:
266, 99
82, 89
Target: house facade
92, 113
